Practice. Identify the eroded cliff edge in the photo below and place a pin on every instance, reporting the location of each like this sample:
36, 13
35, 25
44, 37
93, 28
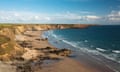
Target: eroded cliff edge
22, 28
9, 48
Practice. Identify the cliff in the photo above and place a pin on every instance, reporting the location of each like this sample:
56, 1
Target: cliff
9, 47
22, 28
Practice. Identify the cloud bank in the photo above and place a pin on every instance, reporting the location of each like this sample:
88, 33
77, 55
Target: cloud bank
67, 17
114, 16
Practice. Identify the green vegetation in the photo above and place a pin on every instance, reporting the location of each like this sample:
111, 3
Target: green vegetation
8, 47
5, 26
2, 51
3, 39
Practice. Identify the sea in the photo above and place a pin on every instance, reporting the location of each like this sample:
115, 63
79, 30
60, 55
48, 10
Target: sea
102, 40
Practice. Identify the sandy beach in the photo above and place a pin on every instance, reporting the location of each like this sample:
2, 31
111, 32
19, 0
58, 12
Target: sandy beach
40, 56
37, 48
59, 35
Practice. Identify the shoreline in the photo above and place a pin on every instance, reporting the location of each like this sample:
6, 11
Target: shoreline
91, 60
38, 50
69, 63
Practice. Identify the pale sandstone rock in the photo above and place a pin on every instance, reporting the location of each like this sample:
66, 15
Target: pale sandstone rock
32, 54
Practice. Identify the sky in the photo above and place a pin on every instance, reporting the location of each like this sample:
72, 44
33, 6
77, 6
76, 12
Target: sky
60, 11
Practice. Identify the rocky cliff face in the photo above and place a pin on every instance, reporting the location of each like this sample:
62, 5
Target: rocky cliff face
10, 48
22, 28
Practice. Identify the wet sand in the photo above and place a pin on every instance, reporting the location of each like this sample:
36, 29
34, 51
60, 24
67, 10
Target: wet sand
85, 63
37, 52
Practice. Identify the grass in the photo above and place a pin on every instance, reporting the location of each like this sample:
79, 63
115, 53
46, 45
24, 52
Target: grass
3, 39
5, 26
2, 51
8, 48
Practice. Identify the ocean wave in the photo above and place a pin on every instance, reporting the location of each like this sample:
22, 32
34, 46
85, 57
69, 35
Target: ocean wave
71, 43
97, 51
116, 51
85, 40
77, 45
53, 35
100, 49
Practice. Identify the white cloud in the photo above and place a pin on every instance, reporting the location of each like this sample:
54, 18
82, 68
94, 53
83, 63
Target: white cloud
13, 16
67, 16
92, 17
30, 17
74, 16
48, 18
114, 16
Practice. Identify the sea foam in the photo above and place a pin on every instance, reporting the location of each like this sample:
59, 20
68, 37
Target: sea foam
116, 51
100, 49
76, 45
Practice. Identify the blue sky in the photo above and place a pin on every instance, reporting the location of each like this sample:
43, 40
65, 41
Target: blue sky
60, 11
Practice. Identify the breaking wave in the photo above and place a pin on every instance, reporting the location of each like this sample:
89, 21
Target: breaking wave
112, 55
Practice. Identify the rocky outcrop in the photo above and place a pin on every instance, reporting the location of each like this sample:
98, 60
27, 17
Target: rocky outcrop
11, 47
19, 29
8, 46
29, 50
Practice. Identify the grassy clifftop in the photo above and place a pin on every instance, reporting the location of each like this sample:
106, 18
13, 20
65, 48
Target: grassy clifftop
9, 47
7, 42
3, 48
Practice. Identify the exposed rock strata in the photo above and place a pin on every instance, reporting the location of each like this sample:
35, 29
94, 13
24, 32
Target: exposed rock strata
23, 46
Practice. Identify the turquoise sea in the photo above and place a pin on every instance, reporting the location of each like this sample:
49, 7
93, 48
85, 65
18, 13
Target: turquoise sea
101, 40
